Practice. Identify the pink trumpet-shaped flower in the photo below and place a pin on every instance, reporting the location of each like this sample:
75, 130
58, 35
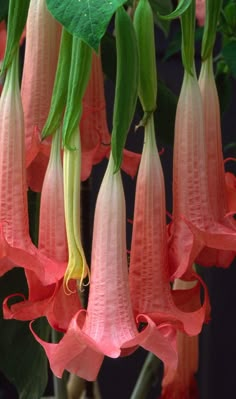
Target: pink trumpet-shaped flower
41, 53
200, 11
149, 270
181, 383
50, 301
108, 328
16, 247
95, 136
215, 167
195, 225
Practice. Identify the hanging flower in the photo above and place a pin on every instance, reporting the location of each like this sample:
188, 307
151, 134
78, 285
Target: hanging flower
95, 136
194, 224
149, 270
16, 247
181, 383
108, 328
51, 300
41, 53
215, 168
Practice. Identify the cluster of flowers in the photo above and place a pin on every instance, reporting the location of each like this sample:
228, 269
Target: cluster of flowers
125, 309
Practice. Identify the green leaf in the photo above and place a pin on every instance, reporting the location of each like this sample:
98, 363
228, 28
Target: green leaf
162, 7
22, 359
4, 4
182, 6
17, 16
229, 54
86, 19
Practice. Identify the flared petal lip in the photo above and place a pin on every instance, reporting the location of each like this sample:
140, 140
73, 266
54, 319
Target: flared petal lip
47, 270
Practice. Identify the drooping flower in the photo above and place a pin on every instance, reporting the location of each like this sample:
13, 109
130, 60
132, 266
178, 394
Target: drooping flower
108, 328
16, 247
181, 383
149, 269
51, 300
215, 167
95, 136
41, 53
194, 226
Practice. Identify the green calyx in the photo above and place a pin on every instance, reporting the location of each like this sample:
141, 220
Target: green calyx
144, 28
17, 15
213, 8
188, 40
80, 69
127, 76
60, 88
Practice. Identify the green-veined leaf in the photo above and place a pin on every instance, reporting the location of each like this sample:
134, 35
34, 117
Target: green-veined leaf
86, 19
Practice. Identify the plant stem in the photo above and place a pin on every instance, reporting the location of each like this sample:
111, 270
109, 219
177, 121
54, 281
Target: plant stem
59, 384
150, 371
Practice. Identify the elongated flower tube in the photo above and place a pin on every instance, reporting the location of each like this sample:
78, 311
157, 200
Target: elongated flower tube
149, 269
108, 328
16, 247
194, 224
50, 301
77, 268
95, 136
181, 383
41, 53
215, 166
